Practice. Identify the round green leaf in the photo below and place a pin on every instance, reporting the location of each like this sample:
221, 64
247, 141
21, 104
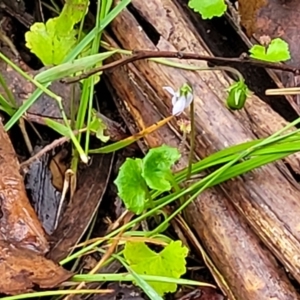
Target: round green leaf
208, 8
170, 262
131, 185
277, 51
157, 167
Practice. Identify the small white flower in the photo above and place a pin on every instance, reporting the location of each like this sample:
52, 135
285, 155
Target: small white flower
181, 98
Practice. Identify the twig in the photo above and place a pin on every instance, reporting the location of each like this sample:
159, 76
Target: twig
146, 54
47, 148
283, 91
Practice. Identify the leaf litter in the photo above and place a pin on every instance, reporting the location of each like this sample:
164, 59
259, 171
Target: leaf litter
22, 239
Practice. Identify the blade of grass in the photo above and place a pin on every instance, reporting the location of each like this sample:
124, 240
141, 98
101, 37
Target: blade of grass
5, 106
90, 36
29, 78
129, 277
10, 96
69, 68
143, 284
102, 10
213, 178
223, 156
55, 293
198, 187
130, 140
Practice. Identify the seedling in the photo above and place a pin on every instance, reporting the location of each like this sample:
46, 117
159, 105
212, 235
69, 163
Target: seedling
137, 176
276, 51
51, 42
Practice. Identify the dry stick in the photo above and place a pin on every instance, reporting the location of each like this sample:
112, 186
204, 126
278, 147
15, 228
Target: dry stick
47, 148
146, 54
283, 91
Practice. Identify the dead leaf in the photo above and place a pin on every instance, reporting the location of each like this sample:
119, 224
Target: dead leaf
44, 197
248, 12
75, 220
58, 168
22, 269
19, 223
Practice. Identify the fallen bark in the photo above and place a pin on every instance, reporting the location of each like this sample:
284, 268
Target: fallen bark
19, 223
265, 197
22, 270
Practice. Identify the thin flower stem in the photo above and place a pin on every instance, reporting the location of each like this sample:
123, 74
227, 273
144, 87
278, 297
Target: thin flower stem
175, 186
148, 195
192, 141
228, 69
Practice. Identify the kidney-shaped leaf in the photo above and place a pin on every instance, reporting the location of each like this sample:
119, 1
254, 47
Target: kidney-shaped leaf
208, 8
170, 262
157, 167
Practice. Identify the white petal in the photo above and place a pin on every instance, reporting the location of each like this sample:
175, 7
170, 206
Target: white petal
174, 99
169, 90
179, 106
189, 99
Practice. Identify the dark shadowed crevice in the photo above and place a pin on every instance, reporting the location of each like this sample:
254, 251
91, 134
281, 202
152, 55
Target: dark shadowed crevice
151, 32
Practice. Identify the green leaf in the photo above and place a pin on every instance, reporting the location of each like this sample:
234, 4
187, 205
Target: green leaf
157, 167
147, 288
208, 8
68, 69
72, 13
98, 126
58, 127
170, 262
238, 93
51, 42
6, 106
47, 45
277, 51
131, 185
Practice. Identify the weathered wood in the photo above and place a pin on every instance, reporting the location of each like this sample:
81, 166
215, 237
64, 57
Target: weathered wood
265, 197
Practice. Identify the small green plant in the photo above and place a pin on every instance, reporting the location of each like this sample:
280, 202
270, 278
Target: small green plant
52, 41
276, 51
208, 8
136, 176
170, 262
